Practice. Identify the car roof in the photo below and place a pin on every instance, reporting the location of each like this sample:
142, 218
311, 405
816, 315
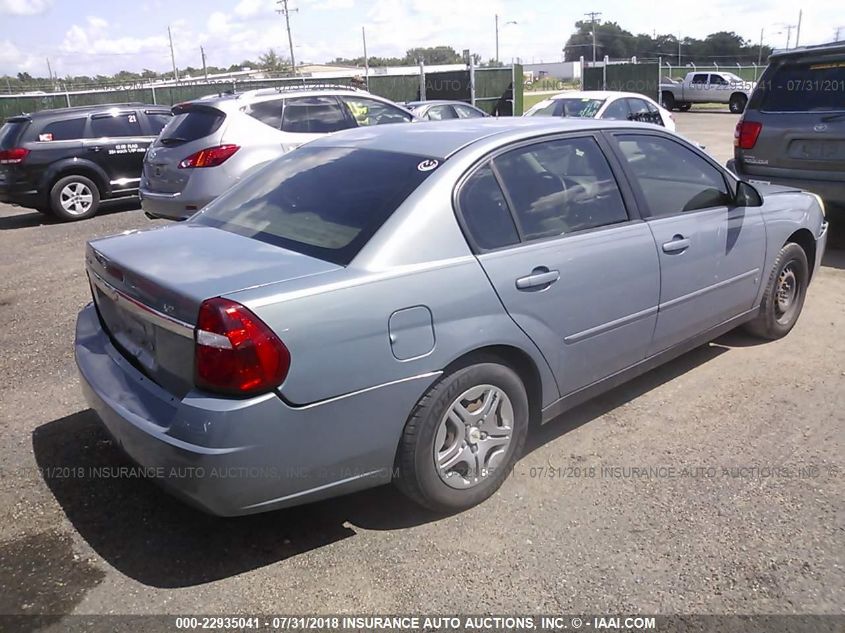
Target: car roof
62, 112
236, 99
808, 51
441, 139
595, 94
438, 102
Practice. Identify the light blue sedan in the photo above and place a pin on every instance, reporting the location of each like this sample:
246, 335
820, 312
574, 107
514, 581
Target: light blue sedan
399, 303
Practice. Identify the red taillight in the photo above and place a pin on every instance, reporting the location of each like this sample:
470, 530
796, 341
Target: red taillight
209, 157
236, 353
745, 136
13, 156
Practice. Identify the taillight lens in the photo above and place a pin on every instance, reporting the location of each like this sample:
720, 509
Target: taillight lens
209, 157
745, 136
237, 353
13, 156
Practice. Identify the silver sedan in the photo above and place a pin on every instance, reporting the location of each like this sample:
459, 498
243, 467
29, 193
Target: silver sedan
399, 303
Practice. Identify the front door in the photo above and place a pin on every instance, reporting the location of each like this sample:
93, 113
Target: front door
573, 270
710, 250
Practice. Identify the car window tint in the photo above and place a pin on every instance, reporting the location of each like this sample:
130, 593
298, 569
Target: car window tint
191, 124
672, 177
372, 112
67, 130
644, 112
314, 115
802, 87
158, 120
699, 79
617, 111
111, 125
268, 112
561, 186
718, 80
485, 211
465, 112
440, 113
11, 131
325, 202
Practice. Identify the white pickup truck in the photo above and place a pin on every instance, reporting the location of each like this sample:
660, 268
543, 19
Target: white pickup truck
707, 87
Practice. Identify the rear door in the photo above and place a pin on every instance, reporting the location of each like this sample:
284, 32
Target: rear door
307, 118
574, 270
711, 251
117, 142
440, 112
800, 106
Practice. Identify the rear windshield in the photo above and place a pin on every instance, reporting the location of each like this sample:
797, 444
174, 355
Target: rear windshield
579, 108
11, 132
326, 202
190, 126
804, 87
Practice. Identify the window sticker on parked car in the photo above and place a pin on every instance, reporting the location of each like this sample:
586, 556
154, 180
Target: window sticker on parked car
45, 137
428, 165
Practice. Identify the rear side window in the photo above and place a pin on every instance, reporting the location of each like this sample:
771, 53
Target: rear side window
699, 79
268, 112
157, 121
190, 125
465, 112
372, 112
440, 112
314, 115
11, 131
803, 87
561, 186
111, 125
288, 203
673, 178
485, 212
67, 130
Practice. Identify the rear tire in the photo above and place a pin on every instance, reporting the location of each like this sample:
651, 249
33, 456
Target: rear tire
668, 100
737, 103
74, 198
784, 296
463, 438
685, 107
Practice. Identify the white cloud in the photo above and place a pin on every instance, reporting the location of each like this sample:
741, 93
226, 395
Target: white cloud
218, 23
96, 24
250, 8
25, 7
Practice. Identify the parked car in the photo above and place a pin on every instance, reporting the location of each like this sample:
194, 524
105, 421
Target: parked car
597, 104
707, 87
213, 143
793, 131
64, 162
398, 303
439, 110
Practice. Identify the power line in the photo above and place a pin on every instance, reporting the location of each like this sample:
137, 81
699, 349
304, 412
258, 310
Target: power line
287, 13
593, 15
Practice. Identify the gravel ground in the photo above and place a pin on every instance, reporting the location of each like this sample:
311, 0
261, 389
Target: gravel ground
741, 512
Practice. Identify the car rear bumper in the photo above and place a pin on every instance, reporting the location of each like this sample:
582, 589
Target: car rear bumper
170, 206
24, 197
831, 191
232, 457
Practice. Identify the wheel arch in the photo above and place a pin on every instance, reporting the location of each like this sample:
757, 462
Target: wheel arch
516, 359
77, 167
804, 238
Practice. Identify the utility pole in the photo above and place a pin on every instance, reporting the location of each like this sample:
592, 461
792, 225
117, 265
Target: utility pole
836, 38
593, 15
366, 60
50, 73
172, 55
204, 67
788, 28
497, 37
798, 30
760, 52
287, 13
679, 49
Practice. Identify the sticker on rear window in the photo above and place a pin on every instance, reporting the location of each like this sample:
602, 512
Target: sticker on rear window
428, 165
45, 137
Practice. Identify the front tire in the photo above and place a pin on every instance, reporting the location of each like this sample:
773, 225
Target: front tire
737, 103
74, 198
463, 438
784, 296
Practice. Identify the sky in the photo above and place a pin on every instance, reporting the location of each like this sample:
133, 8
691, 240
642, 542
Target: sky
88, 37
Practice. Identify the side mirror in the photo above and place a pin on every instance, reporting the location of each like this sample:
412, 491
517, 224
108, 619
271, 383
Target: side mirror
747, 195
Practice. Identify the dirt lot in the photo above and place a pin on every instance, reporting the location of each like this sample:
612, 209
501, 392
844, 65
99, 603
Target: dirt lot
742, 512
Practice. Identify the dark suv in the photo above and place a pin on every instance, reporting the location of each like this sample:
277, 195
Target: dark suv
793, 130
64, 162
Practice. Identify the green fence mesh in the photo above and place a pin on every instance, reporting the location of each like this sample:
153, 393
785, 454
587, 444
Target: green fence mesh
639, 78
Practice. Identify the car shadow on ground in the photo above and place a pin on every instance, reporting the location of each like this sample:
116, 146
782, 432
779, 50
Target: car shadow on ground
157, 540
28, 218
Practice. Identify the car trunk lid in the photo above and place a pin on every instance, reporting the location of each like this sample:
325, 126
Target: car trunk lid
194, 127
148, 287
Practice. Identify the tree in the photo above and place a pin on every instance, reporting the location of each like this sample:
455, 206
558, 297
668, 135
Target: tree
272, 62
433, 55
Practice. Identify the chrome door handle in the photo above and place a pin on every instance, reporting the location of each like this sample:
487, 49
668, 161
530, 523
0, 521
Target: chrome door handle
540, 276
679, 243
95, 148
